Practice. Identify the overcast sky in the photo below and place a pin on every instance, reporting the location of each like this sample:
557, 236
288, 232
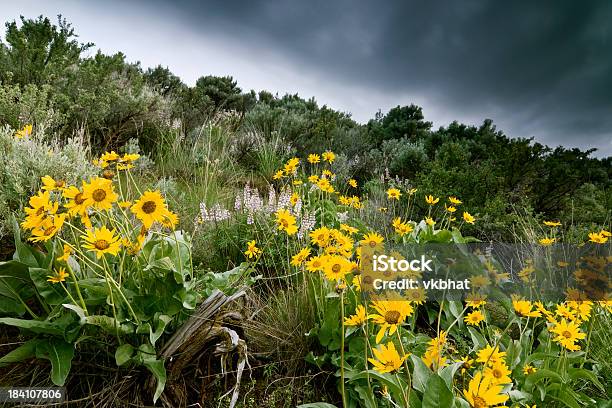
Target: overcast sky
541, 69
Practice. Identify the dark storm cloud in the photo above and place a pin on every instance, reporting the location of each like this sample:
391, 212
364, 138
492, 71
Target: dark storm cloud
540, 69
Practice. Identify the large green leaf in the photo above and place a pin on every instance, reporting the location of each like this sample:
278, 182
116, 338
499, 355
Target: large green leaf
109, 324
385, 379
575, 373
35, 326
540, 375
317, 405
421, 374
146, 356
25, 351
123, 354
160, 324
60, 354
477, 338
437, 394
448, 372
52, 293
15, 284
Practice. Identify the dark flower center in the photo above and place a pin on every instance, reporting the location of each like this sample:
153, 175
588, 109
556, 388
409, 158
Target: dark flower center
78, 199
392, 317
149, 207
102, 244
99, 195
479, 402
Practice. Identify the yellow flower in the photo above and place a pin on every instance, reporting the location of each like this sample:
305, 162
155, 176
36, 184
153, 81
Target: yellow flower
451, 209
49, 184
77, 204
597, 238
134, 247
552, 223
390, 315
401, 227
490, 355
568, 333
433, 357
416, 296
320, 236
529, 369
300, 257
335, 267
99, 194
431, 200
252, 250
109, 156
329, 156
394, 194
49, 228
454, 200
314, 158
474, 318
352, 183
150, 208
357, 282
127, 159
347, 228
372, 240
475, 300
314, 179
294, 198
482, 393
65, 254
60, 276
547, 241
387, 358
291, 166
278, 175
40, 208
314, 264
286, 222
24, 132
429, 221
124, 166
358, 318
480, 281
325, 185
102, 241
499, 373
169, 219
124, 204
467, 217
524, 308
383, 209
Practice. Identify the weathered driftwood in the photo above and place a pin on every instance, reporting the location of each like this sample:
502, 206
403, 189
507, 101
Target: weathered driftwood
203, 332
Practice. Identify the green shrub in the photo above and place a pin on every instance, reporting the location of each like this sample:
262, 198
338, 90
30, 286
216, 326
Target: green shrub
24, 161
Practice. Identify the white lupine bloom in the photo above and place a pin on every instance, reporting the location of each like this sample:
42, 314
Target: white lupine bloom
284, 200
220, 213
307, 224
297, 208
271, 200
343, 216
